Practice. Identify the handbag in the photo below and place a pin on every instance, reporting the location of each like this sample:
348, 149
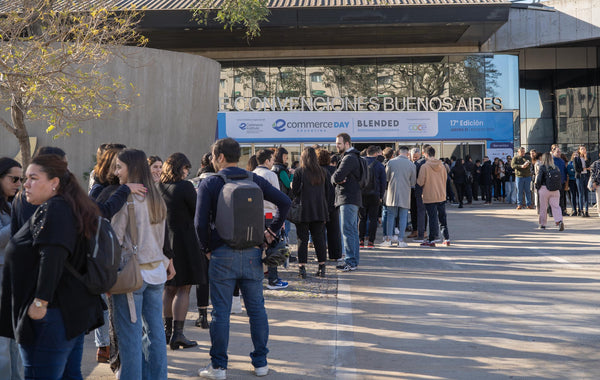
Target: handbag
129, 278
295, 213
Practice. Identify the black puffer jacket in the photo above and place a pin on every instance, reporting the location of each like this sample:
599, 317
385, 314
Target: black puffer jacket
348, 172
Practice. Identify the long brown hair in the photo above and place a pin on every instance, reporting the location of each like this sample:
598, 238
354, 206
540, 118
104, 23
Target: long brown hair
105, 167
172, 170
310, 164
84, 209
138, 171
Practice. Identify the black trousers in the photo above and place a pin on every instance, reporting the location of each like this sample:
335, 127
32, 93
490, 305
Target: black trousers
460, 192
486, 192
334, 235
414, 220
475, 189
369, 211
317, 231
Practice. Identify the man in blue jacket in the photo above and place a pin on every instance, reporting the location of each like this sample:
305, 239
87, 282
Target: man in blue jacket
348, 198
228, 265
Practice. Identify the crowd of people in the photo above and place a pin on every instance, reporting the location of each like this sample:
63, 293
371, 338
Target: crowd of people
168, 223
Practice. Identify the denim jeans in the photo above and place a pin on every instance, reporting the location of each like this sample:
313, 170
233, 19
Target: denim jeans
228, 266
349, 220
402, 214
509, 187
52, 356
101, 336
437, 214
523, 185
142, 346
582, 182
11, 365
384, 219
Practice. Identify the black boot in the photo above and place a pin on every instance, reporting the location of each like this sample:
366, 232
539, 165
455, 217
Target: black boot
321, 271
202, 320
302, 272
178, 339
168, 322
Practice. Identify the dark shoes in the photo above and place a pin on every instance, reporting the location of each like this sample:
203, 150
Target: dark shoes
178, 339
302, 272
202, 320
321, 271
168, 323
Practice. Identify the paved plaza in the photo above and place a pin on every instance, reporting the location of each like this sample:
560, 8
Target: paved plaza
504, 301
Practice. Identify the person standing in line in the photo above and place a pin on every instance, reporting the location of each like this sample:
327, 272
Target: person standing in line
229, 266
469, 168
573, 192
509, 185
45, 308
332, 227
560, 165
371, 200
414, 155
432, 178
486, 180
401, 175
348, 198
11, 178
181, 243
477, 188
420, 206
459, 176
138, 315
285, 176
595, 181
522, 167
310, 186
155, 164
582, 175
265, 161
547, 196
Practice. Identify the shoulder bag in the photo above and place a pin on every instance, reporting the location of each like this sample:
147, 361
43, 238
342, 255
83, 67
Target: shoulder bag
295, 213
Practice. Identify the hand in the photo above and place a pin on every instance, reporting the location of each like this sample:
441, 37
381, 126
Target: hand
137, 188
37, 313
170, 270
268, 236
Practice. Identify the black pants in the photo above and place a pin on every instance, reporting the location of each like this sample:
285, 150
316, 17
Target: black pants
369, 211
563, 199
475, 189
460, 192
334, 235
317, 231
414, 220
486, 192
469, 191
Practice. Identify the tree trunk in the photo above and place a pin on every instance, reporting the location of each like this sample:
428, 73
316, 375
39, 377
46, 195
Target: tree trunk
18, 120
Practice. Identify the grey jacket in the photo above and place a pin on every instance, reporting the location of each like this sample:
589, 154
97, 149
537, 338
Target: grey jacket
401, 175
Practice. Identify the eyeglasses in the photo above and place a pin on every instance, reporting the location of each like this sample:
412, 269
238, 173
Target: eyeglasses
15, 179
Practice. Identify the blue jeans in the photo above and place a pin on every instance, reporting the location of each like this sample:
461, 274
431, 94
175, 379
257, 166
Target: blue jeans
349, 220
523, 185
143, 355
509, 187
228, 266
384, 218
437, 213
101, 337
52, 356
402, 214
582, 182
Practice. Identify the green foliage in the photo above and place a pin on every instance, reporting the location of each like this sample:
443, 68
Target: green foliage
246, 14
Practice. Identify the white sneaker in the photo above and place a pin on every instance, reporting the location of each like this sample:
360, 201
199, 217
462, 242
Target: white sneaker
402, 244
236, 305
386, 243
261, 371
395, 238
396, 231
213, 373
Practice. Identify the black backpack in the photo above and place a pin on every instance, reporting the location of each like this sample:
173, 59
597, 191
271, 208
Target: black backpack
553, 179
240, 219
364, 177
103, 257
371, 187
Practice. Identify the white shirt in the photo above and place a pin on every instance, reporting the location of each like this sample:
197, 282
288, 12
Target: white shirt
273, 180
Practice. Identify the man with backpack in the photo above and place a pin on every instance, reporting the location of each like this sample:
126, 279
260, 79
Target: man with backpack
348, 198
229, 203
371, 196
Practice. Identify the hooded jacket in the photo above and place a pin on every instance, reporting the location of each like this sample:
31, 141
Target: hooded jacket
432, 178
349, 191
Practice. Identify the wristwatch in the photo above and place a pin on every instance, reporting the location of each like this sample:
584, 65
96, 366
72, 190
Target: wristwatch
38, 303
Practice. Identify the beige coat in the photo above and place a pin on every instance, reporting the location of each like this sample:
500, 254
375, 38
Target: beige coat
432, 178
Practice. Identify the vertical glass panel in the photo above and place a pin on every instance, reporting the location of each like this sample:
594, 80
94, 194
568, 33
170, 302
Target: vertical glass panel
323, 78
287, 79
502, 79
394, 77
359, 78
593, 101
431, 77
467, 76
226, 82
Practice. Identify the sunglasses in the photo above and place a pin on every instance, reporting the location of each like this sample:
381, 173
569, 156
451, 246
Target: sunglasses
15, 179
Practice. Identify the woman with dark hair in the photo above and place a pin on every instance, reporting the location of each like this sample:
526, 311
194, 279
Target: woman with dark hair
138, 315
180, 239
11, 175
459, 176
332, 227
280, 167
573, 191
44, 307
155, 164
310, 186
252, 163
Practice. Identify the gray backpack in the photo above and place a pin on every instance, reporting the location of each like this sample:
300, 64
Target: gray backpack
240, 219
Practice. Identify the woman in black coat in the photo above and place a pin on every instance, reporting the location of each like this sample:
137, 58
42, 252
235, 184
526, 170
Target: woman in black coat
310, 186
459, 176
180, 238
332, 227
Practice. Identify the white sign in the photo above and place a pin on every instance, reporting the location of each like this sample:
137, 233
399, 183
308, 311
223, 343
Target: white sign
290, 126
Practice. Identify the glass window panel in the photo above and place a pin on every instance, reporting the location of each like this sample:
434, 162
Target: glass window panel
359, 78
572, 130
394, 79
287, 80
467, 76
502, 79
593, 101
431, 79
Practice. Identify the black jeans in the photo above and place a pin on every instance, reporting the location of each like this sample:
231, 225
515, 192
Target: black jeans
437, 214
460, 192
486, 192
369, 211
317, 231
574, 195
334, 235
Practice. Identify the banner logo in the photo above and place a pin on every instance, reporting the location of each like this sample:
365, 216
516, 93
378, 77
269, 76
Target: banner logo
243, 126
417, 128
279, 125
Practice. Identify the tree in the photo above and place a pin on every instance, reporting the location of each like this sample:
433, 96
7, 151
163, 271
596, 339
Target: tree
247, 14
51, 60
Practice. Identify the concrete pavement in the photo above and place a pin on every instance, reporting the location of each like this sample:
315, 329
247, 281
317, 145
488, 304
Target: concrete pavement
504, 301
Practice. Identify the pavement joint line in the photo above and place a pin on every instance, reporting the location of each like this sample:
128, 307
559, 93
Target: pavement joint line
344, 356
555, 258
